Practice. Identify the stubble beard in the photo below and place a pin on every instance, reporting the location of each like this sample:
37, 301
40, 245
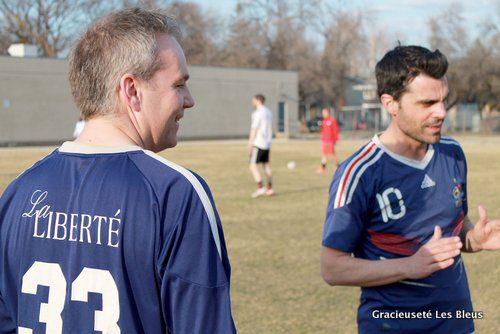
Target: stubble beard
423, 138
419, 132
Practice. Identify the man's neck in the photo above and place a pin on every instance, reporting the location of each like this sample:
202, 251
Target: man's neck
108, 131
400, 143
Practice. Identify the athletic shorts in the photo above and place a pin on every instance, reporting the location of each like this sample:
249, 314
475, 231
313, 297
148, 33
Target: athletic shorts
328, 148
259, 156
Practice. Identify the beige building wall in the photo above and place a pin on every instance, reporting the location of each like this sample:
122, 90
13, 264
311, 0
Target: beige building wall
36, 106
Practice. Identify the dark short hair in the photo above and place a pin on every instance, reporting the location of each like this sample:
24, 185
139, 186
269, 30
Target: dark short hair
397, 69
260, 97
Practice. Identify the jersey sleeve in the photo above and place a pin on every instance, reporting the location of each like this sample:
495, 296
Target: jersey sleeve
194, 266
453, 149
7, 324
345, 214
462, 161
256, 119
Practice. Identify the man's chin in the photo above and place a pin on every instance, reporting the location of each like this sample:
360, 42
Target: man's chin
434, 138
163, 146
171, 143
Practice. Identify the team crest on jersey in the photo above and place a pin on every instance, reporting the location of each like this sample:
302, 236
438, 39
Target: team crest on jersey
457, 193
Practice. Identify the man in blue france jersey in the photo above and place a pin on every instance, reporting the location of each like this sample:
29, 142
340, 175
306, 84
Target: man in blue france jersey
103, 235
399, 205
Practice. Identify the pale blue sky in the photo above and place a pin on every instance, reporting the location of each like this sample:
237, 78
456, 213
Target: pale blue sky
399, 19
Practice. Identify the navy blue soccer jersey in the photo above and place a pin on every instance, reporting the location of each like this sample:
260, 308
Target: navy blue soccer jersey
96, 239
385, 206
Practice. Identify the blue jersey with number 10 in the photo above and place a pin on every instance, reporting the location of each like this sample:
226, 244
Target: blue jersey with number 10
110, 240
385, 206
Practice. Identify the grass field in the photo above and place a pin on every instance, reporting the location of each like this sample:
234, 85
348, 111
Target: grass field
275, 243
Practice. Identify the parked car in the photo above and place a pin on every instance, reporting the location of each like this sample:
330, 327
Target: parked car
314, 125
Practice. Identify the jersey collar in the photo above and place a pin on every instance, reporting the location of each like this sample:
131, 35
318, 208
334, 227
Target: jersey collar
73, 147
419, 164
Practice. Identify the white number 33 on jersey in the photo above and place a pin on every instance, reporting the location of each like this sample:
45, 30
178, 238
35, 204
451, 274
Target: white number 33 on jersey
89, 280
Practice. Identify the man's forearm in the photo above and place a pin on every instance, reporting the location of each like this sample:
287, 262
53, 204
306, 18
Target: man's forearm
340, 268
348, 270
251, 137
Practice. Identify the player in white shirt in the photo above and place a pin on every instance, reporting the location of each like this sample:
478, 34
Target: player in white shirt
259, 145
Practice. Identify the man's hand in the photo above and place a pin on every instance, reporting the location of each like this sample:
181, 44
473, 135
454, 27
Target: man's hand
436, 254
485, 234
250, 147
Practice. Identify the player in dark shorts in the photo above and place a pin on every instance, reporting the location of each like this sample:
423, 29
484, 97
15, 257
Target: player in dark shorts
259, 145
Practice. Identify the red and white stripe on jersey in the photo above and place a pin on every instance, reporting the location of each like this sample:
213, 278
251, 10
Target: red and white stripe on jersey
352, 173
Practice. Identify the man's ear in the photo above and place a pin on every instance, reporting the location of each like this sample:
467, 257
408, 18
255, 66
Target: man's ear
129, 92
390, 104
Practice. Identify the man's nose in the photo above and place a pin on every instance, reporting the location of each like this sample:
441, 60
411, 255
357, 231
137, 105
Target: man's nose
188, 100
439, 110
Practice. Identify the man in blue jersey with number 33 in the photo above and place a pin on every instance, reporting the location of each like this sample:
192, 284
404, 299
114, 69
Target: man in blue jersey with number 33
399, 205
104, 235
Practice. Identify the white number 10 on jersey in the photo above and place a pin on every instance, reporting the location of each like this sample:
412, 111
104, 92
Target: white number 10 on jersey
385, 204
89, 280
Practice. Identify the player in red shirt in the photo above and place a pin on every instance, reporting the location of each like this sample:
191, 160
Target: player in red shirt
329, 135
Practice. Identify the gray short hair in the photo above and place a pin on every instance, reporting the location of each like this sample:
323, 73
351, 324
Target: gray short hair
121, 42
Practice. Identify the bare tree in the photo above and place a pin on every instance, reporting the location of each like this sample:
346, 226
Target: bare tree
199, 32
49, 24
344, 52
274, 28
244, 46
5, 42
474, 71
448, 31
275, 35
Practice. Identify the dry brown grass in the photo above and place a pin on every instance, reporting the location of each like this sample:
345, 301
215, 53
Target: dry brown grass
274, 243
